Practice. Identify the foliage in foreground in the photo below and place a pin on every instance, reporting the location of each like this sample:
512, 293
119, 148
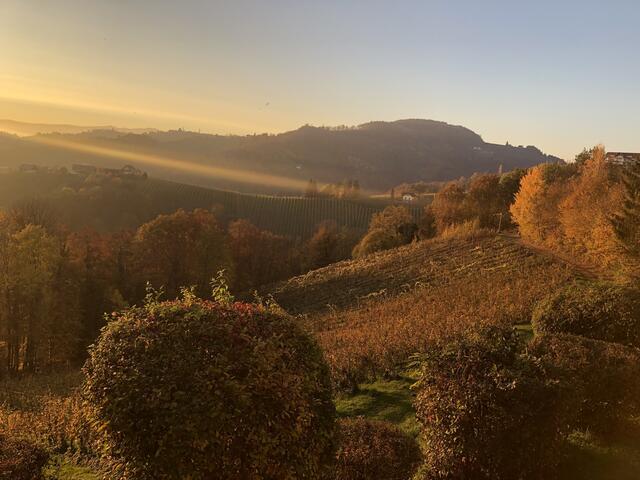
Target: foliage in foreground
600, 380
601, 311
21, 460
487, 410
199, 389
372, 450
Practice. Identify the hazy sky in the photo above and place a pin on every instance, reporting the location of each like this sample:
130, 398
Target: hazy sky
557, 74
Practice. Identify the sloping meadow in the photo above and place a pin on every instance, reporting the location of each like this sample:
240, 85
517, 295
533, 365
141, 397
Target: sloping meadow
370, 316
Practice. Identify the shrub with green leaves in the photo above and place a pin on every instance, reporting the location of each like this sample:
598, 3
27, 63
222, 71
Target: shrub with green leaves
600, 380
601, 311
486, 409
374, 450
21, 460
199, 389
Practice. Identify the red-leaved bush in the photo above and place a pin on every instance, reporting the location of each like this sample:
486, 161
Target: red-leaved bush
200, 390
374, 450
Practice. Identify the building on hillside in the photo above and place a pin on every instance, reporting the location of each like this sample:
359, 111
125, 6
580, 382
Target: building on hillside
131, 171
409, 197
623, 158
83, 169
29, 168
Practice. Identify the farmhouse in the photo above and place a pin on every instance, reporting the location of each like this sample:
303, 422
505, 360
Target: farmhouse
409, 197
623, 158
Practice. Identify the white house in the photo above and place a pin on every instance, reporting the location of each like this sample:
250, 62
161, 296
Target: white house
409, 197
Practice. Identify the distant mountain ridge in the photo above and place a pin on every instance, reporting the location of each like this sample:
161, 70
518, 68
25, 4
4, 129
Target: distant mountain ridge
378, 154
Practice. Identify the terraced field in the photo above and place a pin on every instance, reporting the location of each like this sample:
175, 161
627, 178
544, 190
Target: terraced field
423, 264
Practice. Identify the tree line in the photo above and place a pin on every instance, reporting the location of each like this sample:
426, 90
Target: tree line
589, 209
57, 284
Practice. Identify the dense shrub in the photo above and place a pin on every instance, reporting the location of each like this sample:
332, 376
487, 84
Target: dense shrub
374, 450
21, 460
596, 310
198, 389
601, 380
486, 410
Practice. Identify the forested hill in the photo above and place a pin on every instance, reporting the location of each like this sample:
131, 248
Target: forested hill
379, 155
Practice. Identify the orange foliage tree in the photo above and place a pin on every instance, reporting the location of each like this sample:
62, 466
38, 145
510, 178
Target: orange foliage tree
535, 209
592, 199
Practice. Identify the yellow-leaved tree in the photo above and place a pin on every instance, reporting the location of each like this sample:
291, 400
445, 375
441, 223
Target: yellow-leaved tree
535, 209
593, 197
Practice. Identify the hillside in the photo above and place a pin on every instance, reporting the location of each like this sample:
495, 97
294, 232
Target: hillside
371, 315
379, 155
108, 204
424, 265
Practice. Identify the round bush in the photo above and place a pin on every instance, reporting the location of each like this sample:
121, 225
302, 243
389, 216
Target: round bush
20, 460
486, 410
600, 380
197, 389
372, 450
600, 311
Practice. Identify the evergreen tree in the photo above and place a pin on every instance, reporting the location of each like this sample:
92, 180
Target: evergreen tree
627, 222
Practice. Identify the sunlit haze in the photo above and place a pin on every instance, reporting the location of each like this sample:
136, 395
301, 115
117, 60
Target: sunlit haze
558, 75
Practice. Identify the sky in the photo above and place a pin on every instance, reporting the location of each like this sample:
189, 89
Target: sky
560, 75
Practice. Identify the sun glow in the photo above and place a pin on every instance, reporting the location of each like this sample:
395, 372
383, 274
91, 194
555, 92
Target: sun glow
235, 175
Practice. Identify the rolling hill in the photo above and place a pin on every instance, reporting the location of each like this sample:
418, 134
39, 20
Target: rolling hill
421, 265
379, 155
371, 315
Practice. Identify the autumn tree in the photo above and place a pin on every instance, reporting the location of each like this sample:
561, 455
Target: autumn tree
585, 155
449, 206
393, 227
626, 221
329, 244
94, 257
29, 261
592, 198
535, 209
259, 256
183, 248
33, 211
484, 201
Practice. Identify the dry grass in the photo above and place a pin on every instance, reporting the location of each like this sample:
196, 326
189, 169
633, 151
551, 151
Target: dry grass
46, 411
